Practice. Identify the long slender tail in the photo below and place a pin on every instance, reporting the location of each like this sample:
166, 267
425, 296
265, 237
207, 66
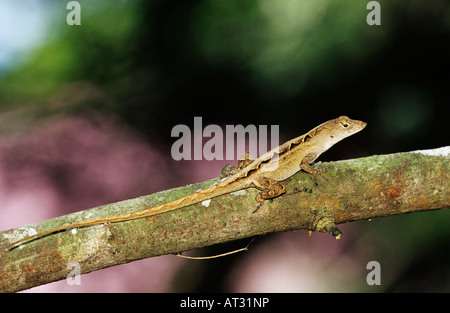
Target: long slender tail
209, 193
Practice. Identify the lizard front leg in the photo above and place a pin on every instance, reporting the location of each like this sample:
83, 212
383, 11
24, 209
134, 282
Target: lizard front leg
304, 165
270, 188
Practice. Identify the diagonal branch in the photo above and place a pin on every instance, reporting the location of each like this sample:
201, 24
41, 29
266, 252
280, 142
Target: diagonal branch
355, 190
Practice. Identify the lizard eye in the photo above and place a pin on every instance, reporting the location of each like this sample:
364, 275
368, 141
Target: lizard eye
345, 125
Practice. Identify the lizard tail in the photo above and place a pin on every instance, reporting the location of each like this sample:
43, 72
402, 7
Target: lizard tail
211, 192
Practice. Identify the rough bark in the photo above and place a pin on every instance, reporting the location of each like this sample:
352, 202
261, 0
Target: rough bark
355, 189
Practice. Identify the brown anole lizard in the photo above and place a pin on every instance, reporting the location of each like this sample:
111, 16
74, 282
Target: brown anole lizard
265, 173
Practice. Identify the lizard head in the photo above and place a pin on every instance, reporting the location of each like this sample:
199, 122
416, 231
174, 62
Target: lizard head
329, 133
349, 126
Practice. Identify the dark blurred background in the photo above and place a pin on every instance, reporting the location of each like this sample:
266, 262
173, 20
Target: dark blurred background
86, 114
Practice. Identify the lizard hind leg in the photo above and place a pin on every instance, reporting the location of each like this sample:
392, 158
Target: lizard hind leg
245, 160
270, 188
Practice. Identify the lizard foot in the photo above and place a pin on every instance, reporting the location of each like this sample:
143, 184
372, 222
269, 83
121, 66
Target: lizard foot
297, 190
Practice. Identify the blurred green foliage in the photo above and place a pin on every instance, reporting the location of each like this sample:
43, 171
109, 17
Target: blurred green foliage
97, 52
249, 61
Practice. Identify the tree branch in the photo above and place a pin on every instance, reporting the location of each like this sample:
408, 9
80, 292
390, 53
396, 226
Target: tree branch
355, 190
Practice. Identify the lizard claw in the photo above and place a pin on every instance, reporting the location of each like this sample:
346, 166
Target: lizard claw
258, 207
